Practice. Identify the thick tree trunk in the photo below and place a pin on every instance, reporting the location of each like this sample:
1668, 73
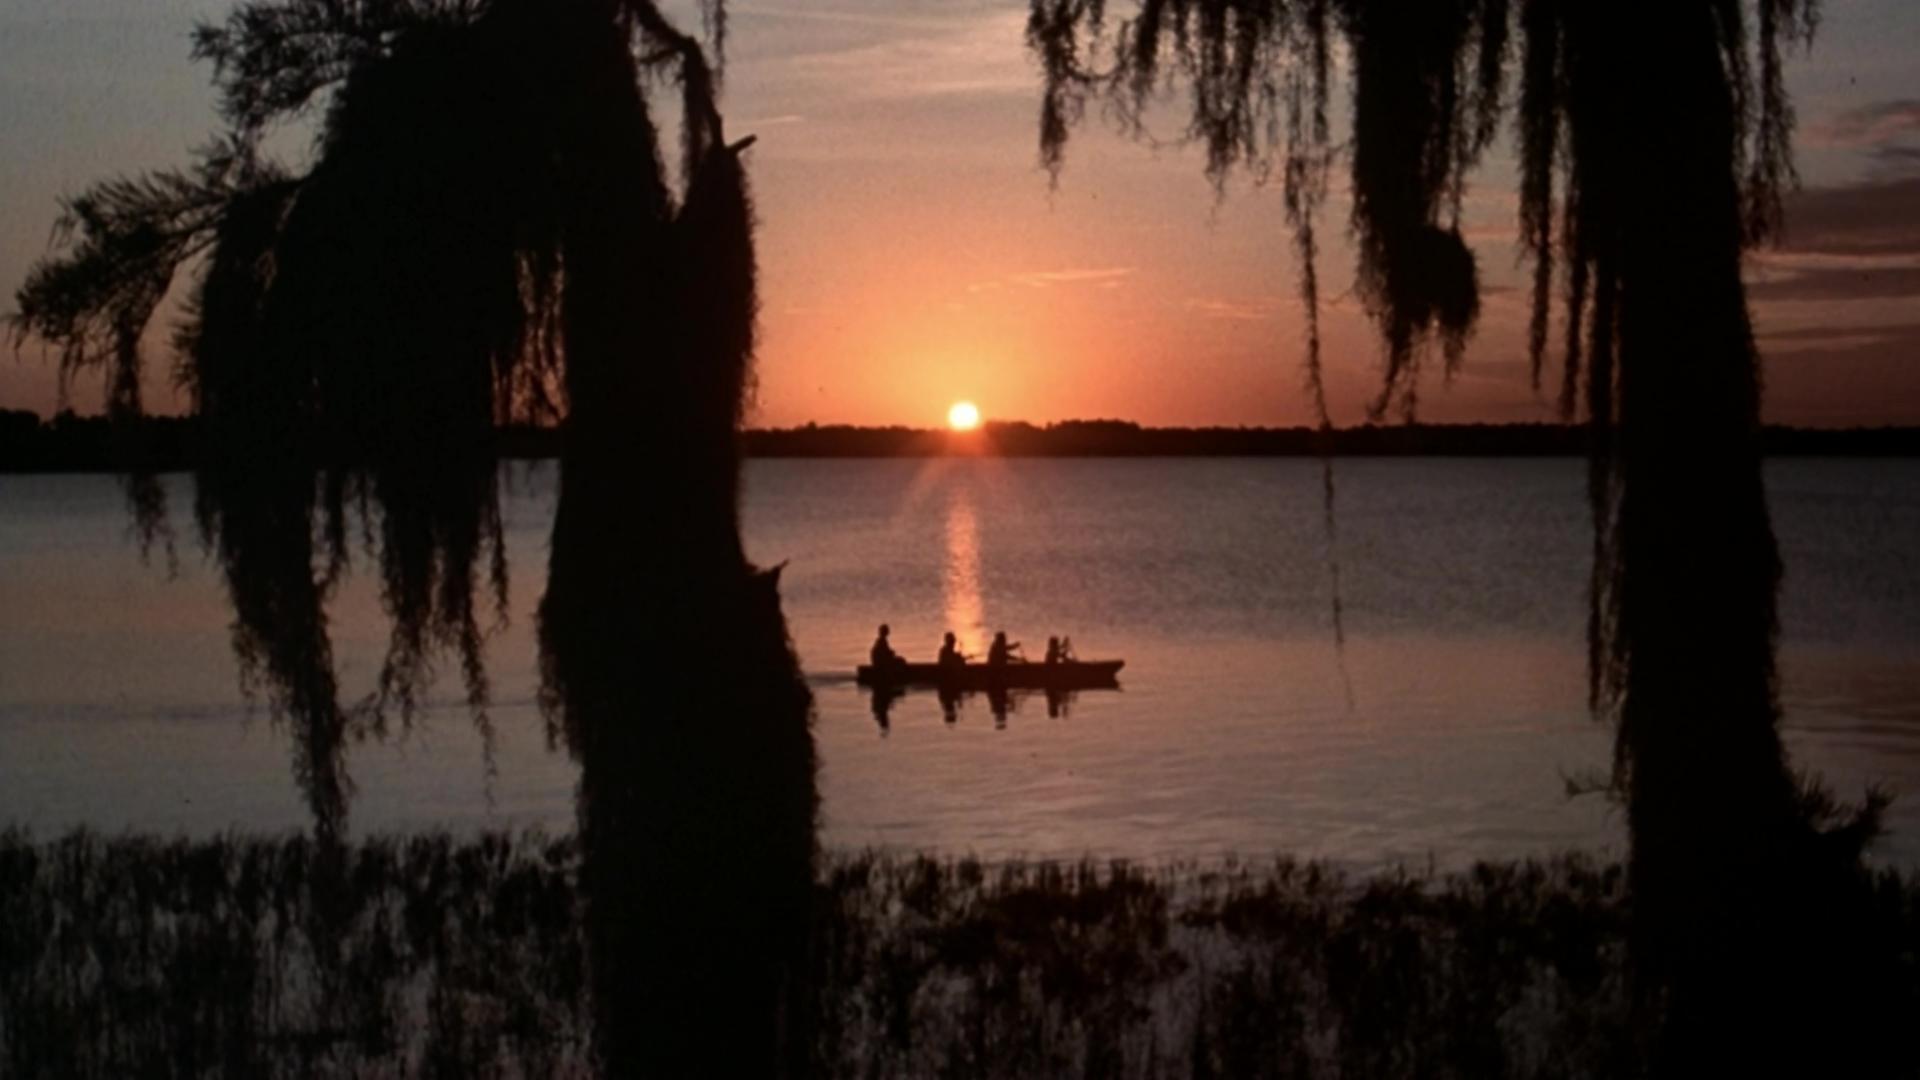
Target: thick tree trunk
1733, 908
1709, 794
667, 651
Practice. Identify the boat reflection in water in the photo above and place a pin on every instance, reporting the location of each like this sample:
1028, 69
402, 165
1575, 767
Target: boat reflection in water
1060, 675
1001, 700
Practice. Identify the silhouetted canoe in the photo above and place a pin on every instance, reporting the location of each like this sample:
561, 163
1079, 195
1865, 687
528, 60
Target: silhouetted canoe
1071, 675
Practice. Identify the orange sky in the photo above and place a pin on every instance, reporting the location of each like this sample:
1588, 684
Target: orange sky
912, 253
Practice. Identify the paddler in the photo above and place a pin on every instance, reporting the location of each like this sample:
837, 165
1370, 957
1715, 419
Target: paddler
882, 655
950, 654
1000, 652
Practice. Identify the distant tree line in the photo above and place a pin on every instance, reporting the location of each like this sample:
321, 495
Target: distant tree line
1121, 438
73, 443
69, 442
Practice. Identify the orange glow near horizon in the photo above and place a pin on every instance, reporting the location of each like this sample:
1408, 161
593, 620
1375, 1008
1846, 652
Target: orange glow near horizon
964, 416
908, 252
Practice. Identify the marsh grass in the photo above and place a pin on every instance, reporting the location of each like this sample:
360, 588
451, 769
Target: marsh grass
425, 955
1283, 968
283, 957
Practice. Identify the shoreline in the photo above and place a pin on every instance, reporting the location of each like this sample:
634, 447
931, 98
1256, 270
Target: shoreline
72, 444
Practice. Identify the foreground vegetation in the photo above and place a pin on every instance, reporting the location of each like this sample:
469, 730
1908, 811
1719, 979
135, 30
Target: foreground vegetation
426, 955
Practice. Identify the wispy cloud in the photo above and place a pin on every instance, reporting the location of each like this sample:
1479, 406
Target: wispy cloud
1213, 307
1896, 160
832, 15
1872, 124
973, 55
1789, 261
1879, 217
1105, 277
1826, 339
1888, 131
1834, 306
1821, 275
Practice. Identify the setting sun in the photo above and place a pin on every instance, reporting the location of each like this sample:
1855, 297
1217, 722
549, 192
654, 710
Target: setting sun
964, 416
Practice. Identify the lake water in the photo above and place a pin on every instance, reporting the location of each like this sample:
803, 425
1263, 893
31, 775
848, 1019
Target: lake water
1444, 731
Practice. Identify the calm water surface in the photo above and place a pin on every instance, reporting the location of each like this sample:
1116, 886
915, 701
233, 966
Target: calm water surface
1445, 730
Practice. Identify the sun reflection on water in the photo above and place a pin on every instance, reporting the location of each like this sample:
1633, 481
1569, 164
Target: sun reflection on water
965, 615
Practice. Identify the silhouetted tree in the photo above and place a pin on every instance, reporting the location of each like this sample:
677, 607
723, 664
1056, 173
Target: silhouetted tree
486, 235
1653, 152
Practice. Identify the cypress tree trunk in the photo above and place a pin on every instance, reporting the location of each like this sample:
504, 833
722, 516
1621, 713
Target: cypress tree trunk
1736, 910
1663, 129
1710, 797
665, 650
487, 216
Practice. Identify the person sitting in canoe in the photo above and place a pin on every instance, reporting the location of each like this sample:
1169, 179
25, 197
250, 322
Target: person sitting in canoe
1000, 652
950, 654
883, 656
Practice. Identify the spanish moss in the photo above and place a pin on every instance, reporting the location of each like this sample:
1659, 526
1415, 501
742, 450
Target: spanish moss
355, 332
486, 235
1653, 154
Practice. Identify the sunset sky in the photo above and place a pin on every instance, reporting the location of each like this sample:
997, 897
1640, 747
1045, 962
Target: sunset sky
913, 255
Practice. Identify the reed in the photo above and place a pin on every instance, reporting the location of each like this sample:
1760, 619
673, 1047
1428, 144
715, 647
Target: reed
431, 955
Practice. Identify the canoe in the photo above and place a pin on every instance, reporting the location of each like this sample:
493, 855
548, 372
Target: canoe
1070, 675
